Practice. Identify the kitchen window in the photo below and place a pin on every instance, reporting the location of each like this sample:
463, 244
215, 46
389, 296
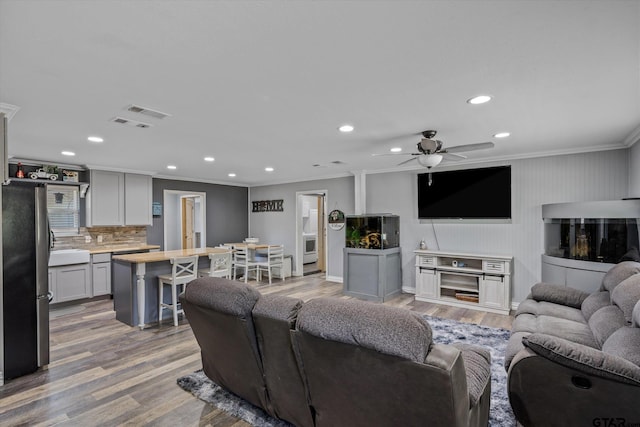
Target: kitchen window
63, 206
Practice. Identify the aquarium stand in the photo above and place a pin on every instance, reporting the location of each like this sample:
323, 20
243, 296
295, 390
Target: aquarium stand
372, 274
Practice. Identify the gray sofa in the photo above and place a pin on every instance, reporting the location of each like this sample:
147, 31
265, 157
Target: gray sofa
334, 362
573, 358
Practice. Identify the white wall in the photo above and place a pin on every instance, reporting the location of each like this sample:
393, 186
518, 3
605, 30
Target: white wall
280, 227
634, 170
580, 177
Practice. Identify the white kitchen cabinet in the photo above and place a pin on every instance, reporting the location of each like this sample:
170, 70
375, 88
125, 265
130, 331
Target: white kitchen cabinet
137, 199
117, 198
101, 274
70, 282
481, 282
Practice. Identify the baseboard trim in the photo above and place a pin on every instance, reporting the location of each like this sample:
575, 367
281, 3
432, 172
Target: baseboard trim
336, 279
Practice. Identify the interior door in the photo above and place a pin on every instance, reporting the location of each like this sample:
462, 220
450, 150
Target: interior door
322, 232
188, 219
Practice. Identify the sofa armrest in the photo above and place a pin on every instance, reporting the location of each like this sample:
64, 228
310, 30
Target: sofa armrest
543, 392
557, 294
584, 359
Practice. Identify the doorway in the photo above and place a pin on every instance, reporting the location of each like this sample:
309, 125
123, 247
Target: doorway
184, 219
311, 232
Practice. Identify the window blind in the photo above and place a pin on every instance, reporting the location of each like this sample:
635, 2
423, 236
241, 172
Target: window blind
63, 206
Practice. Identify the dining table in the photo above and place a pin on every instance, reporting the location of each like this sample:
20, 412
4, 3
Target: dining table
140, 271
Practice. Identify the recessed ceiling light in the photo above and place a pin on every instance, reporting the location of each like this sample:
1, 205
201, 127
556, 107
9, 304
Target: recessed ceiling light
480, 99
501, 135
172, 167
232, 174
95, 139
68, 153
346, 128
209, 159
269, 169
396, 150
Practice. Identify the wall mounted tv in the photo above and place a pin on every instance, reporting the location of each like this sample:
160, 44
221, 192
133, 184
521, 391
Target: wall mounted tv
465, 194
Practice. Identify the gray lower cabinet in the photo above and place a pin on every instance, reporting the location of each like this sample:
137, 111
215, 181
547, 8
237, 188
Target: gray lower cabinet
101, 274
372, 274
70, 282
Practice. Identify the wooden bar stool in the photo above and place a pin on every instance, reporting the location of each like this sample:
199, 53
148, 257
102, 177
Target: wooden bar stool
183, 271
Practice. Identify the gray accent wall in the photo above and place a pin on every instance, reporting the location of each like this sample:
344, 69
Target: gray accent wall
568, 178
226, 209
280, 227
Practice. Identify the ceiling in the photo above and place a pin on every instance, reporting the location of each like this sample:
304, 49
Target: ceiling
267, 83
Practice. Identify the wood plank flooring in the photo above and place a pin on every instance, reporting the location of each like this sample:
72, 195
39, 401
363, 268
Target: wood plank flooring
105, 373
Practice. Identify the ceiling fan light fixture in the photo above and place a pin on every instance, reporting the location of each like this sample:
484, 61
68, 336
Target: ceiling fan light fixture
480, 99
346, 128
430, 160
501, 135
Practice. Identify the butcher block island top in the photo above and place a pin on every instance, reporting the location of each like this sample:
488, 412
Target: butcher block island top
122, 248
166, 255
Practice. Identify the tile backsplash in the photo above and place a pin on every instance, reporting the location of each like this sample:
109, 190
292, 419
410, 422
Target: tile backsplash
96, 237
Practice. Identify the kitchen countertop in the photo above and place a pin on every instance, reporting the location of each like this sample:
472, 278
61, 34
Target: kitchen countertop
122, 248
166, 255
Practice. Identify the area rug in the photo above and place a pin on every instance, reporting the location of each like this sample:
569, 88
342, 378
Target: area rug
444, 332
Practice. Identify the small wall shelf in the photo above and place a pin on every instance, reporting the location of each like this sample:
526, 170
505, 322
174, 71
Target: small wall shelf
479, 282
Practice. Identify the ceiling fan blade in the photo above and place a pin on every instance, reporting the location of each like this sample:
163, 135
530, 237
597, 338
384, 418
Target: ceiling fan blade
453, 157
469, 147
407, 161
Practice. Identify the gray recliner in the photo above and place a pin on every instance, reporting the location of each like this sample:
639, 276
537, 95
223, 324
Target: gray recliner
333, 362
573, 358
368, 364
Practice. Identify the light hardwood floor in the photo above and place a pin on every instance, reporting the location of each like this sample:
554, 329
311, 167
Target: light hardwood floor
105, 373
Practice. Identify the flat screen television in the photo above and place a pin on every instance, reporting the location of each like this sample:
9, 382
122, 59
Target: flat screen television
465, 194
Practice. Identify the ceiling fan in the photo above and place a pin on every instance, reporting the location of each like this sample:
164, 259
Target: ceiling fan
431, 151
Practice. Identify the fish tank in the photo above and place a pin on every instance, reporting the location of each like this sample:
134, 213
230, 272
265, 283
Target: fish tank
600, 235
372, 231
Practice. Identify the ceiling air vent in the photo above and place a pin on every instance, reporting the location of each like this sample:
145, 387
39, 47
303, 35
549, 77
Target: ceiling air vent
130, 122
147, 111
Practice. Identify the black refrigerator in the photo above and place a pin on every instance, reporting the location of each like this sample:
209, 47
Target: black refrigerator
25, 259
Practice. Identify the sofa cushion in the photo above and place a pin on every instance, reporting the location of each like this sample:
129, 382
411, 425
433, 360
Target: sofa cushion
578, 332
625, 343
606, 321
631, 255
618, 273
626, 295
543, 308
222, 295
558, 294
595, 302
386, 329
477, 363
583, 358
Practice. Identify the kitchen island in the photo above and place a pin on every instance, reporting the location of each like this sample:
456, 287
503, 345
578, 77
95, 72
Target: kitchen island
135, 282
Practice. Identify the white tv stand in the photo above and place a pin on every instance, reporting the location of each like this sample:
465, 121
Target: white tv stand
479, 282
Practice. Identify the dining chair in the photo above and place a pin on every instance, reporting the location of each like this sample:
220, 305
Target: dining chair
275, 259
219, 265
183, 271
242, 260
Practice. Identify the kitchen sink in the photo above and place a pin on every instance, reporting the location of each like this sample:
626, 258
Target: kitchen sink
68, 256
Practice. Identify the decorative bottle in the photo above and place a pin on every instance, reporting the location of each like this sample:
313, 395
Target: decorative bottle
20, 171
